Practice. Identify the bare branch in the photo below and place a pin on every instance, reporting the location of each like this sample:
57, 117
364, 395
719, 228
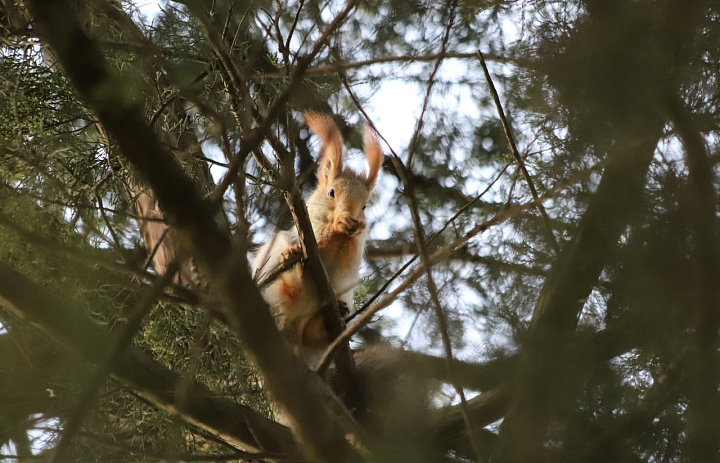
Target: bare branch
332, 317
431, 82
294, 24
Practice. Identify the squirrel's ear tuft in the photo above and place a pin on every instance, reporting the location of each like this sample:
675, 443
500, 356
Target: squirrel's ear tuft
331, 157
374, 155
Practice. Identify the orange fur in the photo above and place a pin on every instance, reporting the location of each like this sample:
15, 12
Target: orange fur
315, 335
374, 154
289, 289
329, 134
339, 245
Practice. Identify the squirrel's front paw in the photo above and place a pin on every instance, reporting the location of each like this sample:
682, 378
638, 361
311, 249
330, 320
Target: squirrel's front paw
347, 225
293, 252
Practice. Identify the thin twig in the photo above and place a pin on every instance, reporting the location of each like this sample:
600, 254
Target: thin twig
344, 66
116, 240
294, 24
431, 239
286, 265
513, 147
155, 249
359, 106
431, 82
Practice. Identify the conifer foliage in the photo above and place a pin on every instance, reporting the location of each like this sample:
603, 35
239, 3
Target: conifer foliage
542, 271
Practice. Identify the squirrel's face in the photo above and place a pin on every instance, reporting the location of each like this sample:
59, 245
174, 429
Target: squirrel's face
341, 201
348, 196
341, 193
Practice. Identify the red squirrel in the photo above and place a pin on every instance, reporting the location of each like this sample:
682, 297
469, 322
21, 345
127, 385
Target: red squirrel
338, 221
396, 400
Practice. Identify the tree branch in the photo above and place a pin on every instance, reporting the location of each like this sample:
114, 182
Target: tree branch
330, 308
431, 82
704, 406
333, 319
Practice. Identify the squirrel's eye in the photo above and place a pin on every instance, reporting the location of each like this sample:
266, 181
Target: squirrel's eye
331, 193
364, 207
